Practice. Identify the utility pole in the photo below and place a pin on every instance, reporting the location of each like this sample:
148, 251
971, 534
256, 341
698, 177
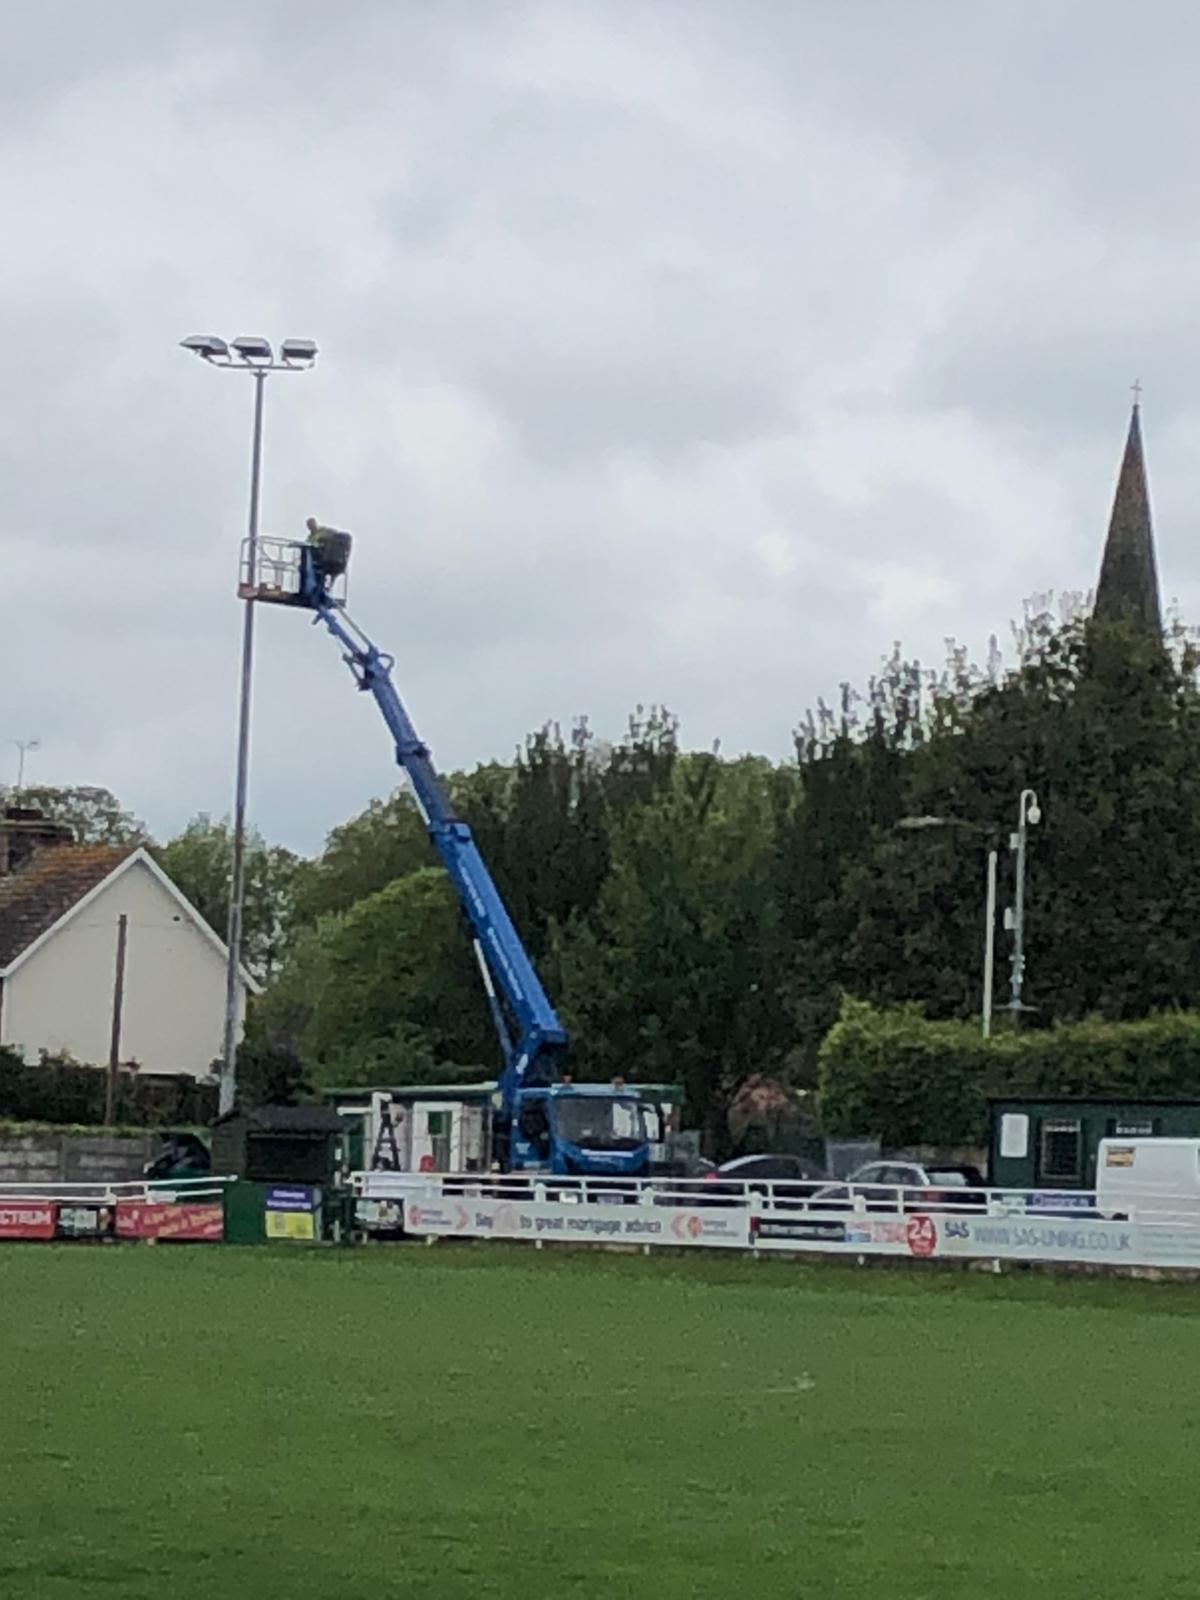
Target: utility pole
114, 1049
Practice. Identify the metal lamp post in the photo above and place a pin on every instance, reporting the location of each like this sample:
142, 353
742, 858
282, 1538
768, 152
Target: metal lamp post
989, 957
24, 747
1029, 814
916, 824
255, 356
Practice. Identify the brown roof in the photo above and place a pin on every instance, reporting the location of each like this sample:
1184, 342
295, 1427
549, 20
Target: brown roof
34, 898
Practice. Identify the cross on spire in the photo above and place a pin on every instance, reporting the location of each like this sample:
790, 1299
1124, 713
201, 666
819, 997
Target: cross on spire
1137, 391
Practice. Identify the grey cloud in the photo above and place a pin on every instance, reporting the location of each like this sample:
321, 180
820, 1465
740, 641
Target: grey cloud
686, 353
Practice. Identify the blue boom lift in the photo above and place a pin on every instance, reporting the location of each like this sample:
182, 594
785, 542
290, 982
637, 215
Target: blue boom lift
540, 1122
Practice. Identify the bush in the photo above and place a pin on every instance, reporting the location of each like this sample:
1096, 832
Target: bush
893, 1073
61, 1091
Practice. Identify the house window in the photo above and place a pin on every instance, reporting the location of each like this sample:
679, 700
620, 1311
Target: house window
1062, 1152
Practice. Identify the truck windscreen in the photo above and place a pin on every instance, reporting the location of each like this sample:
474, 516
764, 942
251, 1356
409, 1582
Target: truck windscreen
600, 1124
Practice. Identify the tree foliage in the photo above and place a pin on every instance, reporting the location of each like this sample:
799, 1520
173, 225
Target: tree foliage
700, 919
380, 983
385, 842
60, 1090
200, 863
675, 977
894, 1073
384, 992
94, 815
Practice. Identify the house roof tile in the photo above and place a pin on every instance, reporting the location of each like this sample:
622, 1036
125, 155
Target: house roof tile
36, 896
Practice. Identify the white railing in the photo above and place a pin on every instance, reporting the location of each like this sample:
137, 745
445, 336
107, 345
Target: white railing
107, 1194
762, 1194
832, 1217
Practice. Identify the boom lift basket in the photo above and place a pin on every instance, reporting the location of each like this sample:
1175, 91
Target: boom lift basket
286, 572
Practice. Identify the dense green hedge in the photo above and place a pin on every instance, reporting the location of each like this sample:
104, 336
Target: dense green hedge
895, 1074
62, 1092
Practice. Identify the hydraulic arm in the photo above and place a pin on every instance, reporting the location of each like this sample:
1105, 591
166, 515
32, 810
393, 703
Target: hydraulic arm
534, 1054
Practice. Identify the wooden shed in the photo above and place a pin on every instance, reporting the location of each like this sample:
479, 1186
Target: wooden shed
279, 1144
1051, 1142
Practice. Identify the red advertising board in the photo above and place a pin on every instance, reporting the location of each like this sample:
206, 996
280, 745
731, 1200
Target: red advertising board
139, 1219
26, 1219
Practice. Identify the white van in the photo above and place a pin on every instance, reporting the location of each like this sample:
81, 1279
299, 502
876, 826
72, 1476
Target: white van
1148, 1179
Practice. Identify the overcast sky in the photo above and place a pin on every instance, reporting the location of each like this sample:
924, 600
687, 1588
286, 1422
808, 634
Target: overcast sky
686, 352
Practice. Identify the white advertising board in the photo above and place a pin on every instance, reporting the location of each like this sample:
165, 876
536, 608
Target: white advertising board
588, 1222
1025, 1238
1005, 1235
1144, 1244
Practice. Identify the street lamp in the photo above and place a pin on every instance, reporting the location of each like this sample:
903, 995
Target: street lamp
919, 824
1029, 814
255, 356
24, 747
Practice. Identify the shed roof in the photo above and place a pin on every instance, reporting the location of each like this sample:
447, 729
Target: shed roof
286, 1119
1091, 1100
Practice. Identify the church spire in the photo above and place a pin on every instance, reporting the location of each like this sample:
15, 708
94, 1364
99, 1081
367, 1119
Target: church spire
1128, 587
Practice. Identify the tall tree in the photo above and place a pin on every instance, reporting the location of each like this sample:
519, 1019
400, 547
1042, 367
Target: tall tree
845, 788
385, 842
1104, 723
676, 977
388, 989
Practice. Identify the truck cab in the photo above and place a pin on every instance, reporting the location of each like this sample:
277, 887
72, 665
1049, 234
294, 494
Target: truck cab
584, 1130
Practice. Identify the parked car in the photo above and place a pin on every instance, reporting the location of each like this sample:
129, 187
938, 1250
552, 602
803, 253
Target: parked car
785, 1177
183, 1155
907, 1186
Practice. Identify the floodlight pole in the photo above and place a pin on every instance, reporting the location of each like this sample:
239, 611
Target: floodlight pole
237, 888
256, 357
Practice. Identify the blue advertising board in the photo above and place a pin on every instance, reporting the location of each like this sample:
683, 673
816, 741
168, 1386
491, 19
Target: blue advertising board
291, 1199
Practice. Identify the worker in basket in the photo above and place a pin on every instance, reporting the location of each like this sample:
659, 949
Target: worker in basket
331, 547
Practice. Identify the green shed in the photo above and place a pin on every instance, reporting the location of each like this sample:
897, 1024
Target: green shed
279, 1144
1052, 1143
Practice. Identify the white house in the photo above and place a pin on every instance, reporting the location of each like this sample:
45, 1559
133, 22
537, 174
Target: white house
60, 909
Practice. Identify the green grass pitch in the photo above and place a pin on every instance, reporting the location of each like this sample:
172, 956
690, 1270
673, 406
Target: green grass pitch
203, 1423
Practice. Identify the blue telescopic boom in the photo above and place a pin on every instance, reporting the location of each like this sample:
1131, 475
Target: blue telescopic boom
534, 1056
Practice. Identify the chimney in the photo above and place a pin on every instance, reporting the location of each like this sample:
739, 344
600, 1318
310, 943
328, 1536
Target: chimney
23, 832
